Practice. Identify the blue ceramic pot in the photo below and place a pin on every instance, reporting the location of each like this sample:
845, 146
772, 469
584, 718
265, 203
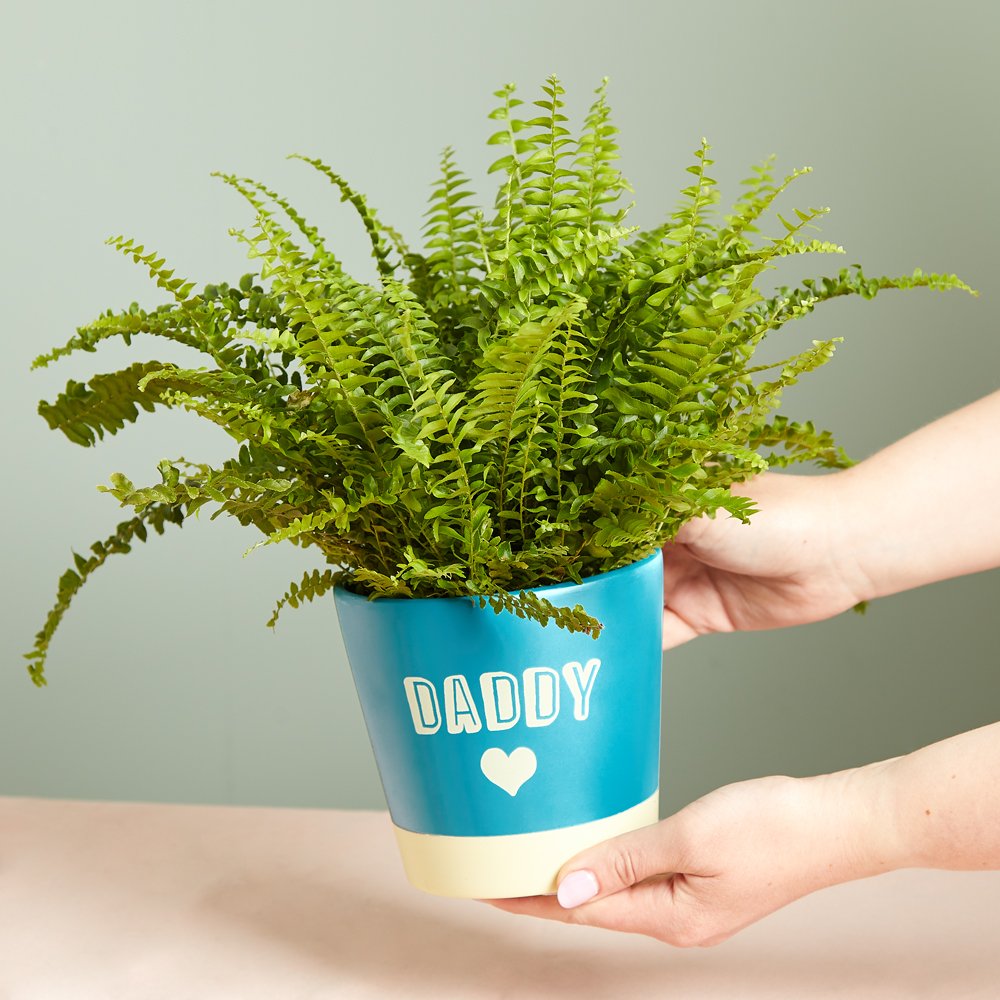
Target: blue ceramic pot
505, 747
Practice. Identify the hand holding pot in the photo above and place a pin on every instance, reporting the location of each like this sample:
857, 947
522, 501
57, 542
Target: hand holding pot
724, 861
785, 567
821, 544
747, 849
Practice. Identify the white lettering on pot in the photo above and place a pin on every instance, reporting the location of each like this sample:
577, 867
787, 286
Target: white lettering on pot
581, 683
541, 696
500, 700
459, 708
501, 697
423, 702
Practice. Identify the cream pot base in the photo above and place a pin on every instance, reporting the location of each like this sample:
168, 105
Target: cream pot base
521, 864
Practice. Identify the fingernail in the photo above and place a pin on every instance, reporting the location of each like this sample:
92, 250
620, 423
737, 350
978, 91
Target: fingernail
576, 888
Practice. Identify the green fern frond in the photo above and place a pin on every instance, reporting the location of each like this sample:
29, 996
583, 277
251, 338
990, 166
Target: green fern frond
380, 584
508, 200
309, 523
243, 406
762, 399
374, 228
180, 486
601, 184
311, 587
757, 200
450, 235
246, 186
505, 390
324, 340
164, 277
797, 302
526, 604
156, 517
85, 411
801, 443
547, 188
398, 241
165, 321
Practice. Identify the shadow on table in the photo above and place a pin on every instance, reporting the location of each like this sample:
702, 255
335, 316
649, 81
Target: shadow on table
306, 886
435, 947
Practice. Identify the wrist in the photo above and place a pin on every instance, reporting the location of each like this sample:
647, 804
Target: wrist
848, 508
862, 819
859, 535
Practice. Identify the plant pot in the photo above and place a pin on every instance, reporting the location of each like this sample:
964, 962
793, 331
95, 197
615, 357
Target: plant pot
504, 746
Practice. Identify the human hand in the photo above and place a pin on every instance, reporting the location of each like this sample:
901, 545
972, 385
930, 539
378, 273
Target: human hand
728, 859
793, 563
821, 544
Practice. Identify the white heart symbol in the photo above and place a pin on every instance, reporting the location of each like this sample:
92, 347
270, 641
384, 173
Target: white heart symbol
509, 772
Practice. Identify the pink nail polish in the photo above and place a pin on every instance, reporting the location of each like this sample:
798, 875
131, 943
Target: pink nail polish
577, 888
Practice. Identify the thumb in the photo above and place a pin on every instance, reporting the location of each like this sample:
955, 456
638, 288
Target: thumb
620, 863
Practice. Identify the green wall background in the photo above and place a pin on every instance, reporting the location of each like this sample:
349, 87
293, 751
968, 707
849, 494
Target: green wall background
164, 683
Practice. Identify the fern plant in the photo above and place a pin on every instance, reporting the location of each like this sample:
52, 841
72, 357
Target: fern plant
541, 394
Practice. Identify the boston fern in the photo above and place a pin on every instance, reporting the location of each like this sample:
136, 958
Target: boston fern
541, 395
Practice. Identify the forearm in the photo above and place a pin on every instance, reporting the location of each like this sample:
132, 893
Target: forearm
946, 800
926, 508
747, 849
938, 807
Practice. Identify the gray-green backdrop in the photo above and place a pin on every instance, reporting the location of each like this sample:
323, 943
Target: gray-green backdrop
164, 682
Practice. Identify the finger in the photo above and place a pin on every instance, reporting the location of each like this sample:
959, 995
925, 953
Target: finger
531, 906
703, 529
691, 531
622, 862
682, 577
712, 541
676, 631
652, 908
649, 908
608, 867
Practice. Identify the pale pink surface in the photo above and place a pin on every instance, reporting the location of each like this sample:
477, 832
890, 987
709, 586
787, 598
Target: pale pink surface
101, 901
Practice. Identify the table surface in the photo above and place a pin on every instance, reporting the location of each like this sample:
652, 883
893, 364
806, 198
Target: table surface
133, 901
